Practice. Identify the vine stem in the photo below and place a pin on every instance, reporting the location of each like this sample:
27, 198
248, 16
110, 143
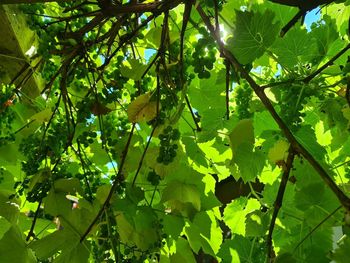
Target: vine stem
31, 231
278, 204
330, 62
296, 146
114, 186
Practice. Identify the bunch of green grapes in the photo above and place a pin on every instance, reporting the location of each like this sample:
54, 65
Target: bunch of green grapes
39, 191
168, 145
173, 72
87, 138
204, 55
83, 109
243, 97
153, 178
55, 140
292, 99
30, 148
114, 127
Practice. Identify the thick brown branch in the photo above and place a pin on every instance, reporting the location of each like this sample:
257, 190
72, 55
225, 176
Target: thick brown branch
298, 147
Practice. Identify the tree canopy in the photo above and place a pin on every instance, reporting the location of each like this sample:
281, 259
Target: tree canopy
176, 131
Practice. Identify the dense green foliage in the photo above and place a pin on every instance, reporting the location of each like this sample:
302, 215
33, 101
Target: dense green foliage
179, 131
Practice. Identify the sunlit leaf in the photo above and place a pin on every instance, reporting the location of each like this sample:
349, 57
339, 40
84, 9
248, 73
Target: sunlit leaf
253, 34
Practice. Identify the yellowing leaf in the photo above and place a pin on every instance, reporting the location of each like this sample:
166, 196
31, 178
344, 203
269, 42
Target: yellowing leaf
142, 109
278, 152
242, 133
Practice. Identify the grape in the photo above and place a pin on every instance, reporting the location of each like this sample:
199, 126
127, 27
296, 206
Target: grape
167, 150
243, 96
204, 55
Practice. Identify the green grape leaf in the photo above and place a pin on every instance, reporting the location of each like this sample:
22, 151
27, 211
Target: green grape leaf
278, 152
182, 193
325, 35
183, 252
9, 208
249, 163
208, 94
285, 258
102, 193
200, 236
79, 254
241, 250
306, 135
264, 122
236, 212
141, 230
296, 47
227, 253
57, 203
341, 253
242, 133
14, 249
4, 226
193, 151
71, 185
135, 71
173, 225
49, 245
253, 34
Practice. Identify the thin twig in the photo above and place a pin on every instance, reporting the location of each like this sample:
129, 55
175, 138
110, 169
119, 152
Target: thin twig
316, 227
144, 154
278, 204
228, 82
31, 231
330, 62
113, 188
192, 113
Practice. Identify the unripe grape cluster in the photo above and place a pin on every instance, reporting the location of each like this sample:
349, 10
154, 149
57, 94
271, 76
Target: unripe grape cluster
204, 55
243, 97
168, 145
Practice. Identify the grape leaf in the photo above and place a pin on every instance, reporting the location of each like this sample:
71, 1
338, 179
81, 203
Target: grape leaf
183, 252
235, 214
199, 235
4, 226
295, 48
183, 193
142, 109
242, 133
279, 152
135, 71
253, 34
